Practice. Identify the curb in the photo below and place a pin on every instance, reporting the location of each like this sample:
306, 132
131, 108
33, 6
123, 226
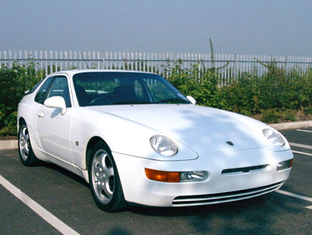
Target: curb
8, 144
291, 125
12, 144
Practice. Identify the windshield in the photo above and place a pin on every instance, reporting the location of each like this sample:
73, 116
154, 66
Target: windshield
113, 88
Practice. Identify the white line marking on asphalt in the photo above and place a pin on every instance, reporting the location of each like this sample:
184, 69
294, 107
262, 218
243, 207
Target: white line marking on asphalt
308, 131
301, 145
294, 195
42, 212
303, 153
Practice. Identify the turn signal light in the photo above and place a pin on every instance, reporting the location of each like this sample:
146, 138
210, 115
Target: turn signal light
163, 176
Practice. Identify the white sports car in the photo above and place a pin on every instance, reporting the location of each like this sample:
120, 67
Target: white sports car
136, 139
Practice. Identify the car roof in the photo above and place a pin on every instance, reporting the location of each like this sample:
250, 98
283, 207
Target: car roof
76, 71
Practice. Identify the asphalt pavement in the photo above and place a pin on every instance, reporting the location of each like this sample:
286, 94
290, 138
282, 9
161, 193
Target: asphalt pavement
59, 193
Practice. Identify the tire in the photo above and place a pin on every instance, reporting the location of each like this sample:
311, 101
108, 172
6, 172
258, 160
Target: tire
25, 151
104, 179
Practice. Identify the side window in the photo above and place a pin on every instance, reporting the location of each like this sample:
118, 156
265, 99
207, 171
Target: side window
60, 88
43, 91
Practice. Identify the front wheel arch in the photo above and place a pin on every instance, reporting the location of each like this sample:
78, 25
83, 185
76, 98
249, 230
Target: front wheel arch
116, 201
92, 142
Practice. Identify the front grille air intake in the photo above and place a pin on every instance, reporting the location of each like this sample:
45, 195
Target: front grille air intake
224, 197
245, 169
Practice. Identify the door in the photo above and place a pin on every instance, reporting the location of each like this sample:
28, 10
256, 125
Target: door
53, 127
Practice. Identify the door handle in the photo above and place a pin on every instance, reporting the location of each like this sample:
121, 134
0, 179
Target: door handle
40, 114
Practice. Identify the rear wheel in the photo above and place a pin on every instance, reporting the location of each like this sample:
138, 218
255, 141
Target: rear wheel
26, 153
104, 179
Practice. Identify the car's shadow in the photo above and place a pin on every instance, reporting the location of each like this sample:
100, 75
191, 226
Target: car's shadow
233, 207
64, 172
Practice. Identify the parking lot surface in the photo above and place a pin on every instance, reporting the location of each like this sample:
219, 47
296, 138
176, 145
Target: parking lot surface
61, 203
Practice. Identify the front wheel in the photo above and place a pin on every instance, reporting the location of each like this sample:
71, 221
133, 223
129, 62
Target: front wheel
104, 180
25, 151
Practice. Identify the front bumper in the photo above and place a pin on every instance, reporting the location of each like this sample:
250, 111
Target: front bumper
222, 185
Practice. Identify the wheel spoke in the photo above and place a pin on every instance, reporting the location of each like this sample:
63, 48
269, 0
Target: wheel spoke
103, 189
107, 166
24, 134
109, 172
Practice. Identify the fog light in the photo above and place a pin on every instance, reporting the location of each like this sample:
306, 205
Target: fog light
193, 176
175, 177
285, 165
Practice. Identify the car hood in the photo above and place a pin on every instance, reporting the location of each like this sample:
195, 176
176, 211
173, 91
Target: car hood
201, 128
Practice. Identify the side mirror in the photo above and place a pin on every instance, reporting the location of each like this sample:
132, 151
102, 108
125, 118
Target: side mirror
191, 99
56, 102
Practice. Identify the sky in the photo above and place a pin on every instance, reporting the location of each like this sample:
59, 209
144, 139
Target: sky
267, 27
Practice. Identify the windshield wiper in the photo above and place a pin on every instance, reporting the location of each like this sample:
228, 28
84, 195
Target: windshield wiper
129, 102
174, 101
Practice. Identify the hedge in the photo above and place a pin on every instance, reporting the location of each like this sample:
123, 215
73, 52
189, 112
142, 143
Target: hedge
14, 81
275, 96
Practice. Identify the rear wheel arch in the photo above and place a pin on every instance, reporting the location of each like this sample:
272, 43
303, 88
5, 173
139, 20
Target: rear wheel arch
21, 121
26, 154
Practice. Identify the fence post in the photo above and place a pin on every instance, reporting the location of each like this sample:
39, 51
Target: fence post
235, 66
160, 63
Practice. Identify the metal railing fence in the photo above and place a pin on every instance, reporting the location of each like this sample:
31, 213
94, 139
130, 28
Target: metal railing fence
229, 66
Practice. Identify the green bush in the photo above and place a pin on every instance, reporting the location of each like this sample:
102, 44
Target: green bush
201, 85
308, 110
274, 92
14, 81
277, 115
241, 96
273, 97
